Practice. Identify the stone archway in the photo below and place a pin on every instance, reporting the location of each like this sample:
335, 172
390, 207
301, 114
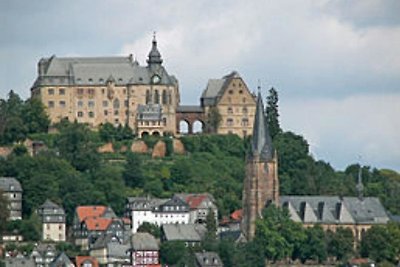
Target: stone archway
191, 115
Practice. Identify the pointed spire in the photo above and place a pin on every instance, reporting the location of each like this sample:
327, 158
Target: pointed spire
154, 55
261, 142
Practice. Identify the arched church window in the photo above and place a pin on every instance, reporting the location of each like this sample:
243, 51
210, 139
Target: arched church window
147, 96
156, 97
164, 97
116, 103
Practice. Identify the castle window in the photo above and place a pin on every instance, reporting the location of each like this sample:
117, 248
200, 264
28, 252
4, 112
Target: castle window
105, 103
91, 114
245, 110
156, 97
116, 112
51, 104
126, 103
101, 80
116, 103
90, 80
164, 97
147, 96
51, 91
165, 121
230, 110
230, 92
80, 103
61, 91
80, 91
91, 91
105, 113
62, 104
240, 85
245, 122
120, 79
91, 104
229, 122
244, 100
240, 91
80, 114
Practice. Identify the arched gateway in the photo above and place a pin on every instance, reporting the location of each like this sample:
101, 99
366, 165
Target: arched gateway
191, 115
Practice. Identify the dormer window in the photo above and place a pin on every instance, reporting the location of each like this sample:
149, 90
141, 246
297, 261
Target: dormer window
90, 80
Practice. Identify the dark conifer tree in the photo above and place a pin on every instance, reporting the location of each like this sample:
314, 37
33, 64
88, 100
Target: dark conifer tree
272, 113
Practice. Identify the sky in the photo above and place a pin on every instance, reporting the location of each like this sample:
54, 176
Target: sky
335, 64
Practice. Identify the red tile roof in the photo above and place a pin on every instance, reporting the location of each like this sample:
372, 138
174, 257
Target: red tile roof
80, 260
195, 200
97, 224
237, 215
90, 211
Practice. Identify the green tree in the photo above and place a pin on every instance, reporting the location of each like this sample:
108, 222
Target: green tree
340, 243
213, 120
314, 247
378, 244
172, 252
34, 116
150, 228
272, 113
107, 132
133, 174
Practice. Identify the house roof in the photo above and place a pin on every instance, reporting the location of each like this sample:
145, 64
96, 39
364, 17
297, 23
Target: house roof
97, 223
197, 200
144, 241
216, 87
84, 212
10, 184
81, 260
184, 232
237, 215
208, 259
335, 209
104, 239
62, 260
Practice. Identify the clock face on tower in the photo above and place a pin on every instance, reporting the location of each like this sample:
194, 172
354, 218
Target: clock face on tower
155, 79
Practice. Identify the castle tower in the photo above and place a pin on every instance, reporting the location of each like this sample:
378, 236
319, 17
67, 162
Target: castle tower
261, 184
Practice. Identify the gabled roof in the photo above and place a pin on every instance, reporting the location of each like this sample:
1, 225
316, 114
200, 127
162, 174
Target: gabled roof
143, 242
104, 239
97, 223
197, 200
216, 87
84, 212
10, 184
207, 258
62, 260
81, 260
184, 232
237, 215
335, 209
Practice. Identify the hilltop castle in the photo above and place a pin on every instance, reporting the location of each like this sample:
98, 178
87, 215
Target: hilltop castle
118, 90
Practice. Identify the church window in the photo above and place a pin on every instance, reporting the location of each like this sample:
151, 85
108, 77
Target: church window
156, 97
61, 91
51, 91
80, 114
51, 104
116, 103
164, 97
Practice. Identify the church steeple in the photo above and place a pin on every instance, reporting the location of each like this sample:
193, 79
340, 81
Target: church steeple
261, 141
360, 186
154, 57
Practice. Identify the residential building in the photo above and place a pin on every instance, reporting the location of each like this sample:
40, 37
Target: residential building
86, 261
157, 211
234, 102
61, 260
118, 90
19, 261
208, 259
145, 250
110, 250
200, 205
53, 221
190, 234
12, 190
43, 254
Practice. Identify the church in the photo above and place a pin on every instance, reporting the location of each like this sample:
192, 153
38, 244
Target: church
261, 188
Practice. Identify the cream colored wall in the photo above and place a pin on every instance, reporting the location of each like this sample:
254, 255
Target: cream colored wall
134, 94
53, 231
237, 97
100, 255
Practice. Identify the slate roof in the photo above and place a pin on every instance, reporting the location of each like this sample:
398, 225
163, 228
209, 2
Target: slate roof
184, 232
144, 203
61, 260
19, 261
117, 250
335, 210
261, 141
216, 87
144, 242
104, 239
51, 212
206, 258
10, 184
98, 70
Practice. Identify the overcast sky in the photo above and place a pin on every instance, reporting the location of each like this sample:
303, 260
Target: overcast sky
335, 64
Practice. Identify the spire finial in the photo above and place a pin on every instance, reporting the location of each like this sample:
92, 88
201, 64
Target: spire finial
259, 86
154, 36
